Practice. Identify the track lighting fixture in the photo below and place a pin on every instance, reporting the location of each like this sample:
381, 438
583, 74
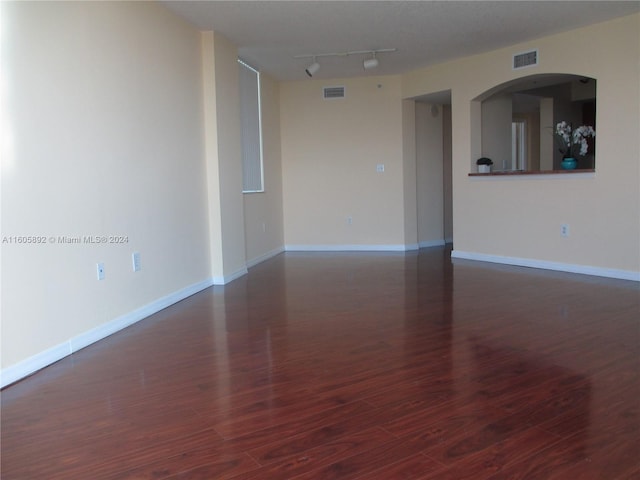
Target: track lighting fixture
368, 63
313, 68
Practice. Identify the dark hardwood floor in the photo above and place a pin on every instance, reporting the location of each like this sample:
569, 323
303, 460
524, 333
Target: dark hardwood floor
343, 366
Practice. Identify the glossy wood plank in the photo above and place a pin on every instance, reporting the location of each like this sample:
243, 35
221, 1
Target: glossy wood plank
288, 463
496, 457
349, 366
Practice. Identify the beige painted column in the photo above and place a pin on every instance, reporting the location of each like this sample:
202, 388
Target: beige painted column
223, 158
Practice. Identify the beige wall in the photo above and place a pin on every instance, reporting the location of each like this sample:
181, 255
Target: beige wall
520, 217
103, 136
263, 220
330, 150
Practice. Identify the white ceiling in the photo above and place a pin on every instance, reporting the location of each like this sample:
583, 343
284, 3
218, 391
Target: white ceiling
270, 33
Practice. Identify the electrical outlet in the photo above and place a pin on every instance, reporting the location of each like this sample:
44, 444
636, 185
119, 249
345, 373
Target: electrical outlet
100, 271
564, 229
349, 220
380, 168
135, 261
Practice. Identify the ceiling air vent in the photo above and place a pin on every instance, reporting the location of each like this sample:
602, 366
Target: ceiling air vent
333, 92
525, 59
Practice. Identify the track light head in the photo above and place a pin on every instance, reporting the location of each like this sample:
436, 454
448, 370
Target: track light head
312, 69
370, 62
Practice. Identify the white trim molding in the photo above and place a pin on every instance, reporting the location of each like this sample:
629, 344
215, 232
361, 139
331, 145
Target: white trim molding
351, 248
264, 257
546, 265
431, 243
43, 359
223, 280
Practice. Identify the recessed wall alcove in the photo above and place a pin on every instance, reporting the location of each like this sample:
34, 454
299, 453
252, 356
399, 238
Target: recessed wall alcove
514, 123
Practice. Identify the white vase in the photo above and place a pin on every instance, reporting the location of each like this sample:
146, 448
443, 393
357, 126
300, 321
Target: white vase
484, 168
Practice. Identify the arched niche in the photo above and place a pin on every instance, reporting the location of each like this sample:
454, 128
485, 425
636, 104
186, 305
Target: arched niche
514, 123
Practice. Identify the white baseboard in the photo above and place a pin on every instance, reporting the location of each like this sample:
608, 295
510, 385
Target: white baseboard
32, 364
351, 248
264, 257
431, 243
223, 280
557, 266
43, 359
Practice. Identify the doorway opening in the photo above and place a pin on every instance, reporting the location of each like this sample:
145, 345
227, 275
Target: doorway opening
434, 186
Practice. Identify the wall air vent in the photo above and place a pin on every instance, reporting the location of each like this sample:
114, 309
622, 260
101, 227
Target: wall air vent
525, 59
333, 92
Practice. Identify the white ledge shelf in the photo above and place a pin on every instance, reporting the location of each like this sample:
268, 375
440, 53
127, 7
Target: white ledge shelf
517, 173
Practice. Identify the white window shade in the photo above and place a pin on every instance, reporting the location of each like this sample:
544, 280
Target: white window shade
251, 131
